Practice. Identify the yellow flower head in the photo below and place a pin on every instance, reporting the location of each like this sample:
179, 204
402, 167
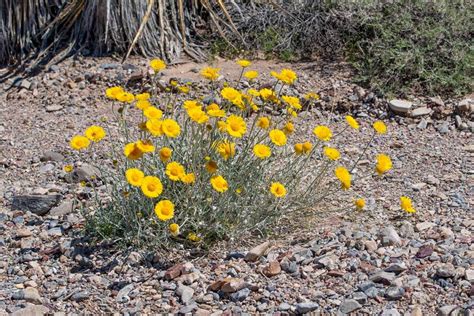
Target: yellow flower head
198, 115
193, 237
154, 127
288, 128
294, 102
262, 151
221, 126
132, 152
278, 137
211, 166
405, 204
298, 148
384, 164
234, 96
307, 146
344, 176
322, 132
174, 229
68, 168
235, 126
360, 204
170, 128
142, 96
95, 133
253, 93
188, 178
112, 93
174, 171
143, 104
292, 112
152, 113
184, 89
352, 122
214, 110
226, 149
134, 176
145, 146
165, 154
380, 127
251, 74
263, 122
219, 184
151, 186
288, 76
157, 65
164, 210
79, 142
190, 104
311, 96
268, 95
332, 153
243, 63
125, 97
278, 189
210, 73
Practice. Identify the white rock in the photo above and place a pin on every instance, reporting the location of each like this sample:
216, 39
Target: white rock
400, 106
424, 226
420, 112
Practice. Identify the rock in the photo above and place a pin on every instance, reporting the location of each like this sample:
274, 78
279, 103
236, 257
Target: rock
187, 309
23, 232
383, 277
55, 231
232, 285
49, 155
424, 251
54, 108
306, 307
80, 296
37, 204
430, 179
272, 269
445, 271
443, 128
348, 306
437, 101
465, 106
422, 124
406, 230
189, 278
283, 307
257, 252
110, 66
46, 168
62, 209
424, 226
458, 121
360, 297
289, 266
173, 272
416, 311
446, 310
122, 295
420, 112
396, 267
446, 232
469, 274
31, 310
394, 293
370, 245
390, 236
185, 293
30, 294
240, 295
400, 106
390, 312
418, 186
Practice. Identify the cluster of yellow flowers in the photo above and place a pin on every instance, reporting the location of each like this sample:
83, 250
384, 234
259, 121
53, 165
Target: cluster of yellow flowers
219, 131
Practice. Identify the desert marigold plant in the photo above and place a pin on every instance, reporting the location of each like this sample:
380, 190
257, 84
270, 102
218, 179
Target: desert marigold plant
182, 169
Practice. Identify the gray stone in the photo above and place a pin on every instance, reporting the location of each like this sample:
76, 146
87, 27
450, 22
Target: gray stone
49, 155
424, 226
348, 306
400, 106
185, 293
188, 308
46, 168
406, 230
457, 121
283, 307
122, 295
382, 277
306, 307
55, 232
394, 293
31, 310
420, 112
396, 267
54, 108
84, 173
469, 274
80, 296
422, 124
360, 297
446, 310
64, 208
443, 128
30, 294
465, 106
390, 312
37, 204
445, 271
241, 295
390, 236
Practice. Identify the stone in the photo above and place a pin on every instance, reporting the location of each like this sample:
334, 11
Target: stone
54, 108
31, 310
390, 236
446, 232
424, 226
122, 295
173, 272
424, 251
80, 296
420, 112
394, 293
348, 306
46, 168
416, 311
422, 124
383, 277
232, 285
306, 307
446, 310
360, 297
37, 204
446, 271
283, 307
400, 106
458, 121
30, 294
443, 128
390, 312
406, 230
55, 231
185, 293
187, 309
396, 267
23, 232
257, 252
465, 106
418, 186
240, 295
272, 269
84, 173
469, 274
49, 155
62, 209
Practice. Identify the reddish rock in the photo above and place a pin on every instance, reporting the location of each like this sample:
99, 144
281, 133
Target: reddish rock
272, 269
336, 273
257, 252
232, 285
173, 272
424, 251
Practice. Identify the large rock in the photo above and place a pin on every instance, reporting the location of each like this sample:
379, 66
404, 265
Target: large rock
31, 310
465, 106
383, 277
390, 236
420, 111
37, 204
348, 306
257, 252
306, 307
185, 293
400, 106
84, 173
49, 155
64, 208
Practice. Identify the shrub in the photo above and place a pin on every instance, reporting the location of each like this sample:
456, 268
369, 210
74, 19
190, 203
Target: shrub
189, 172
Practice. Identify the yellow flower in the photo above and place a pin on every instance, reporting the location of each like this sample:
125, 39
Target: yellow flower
278, 137
174, 229
268, 95
278, 189
165, 154
152, 113
311, 95
174, 170
222, 126
157, 65
125, 97
95, 133
253, 92
145, 146
352, 122
263, 122
151, 187
380, 127
193, 237
288, 128
154, 127
190, 104
238, 190
142, 96
384, 164
307, 146
322, 132
262, 151
234, 96
132, 152
188, 178
251, 74
360, 204
405, 204
211, 166
198, 115
134, 176
164, 210
226, 149
170, 128
68, 168
112, 93
79, 142
332, 153
288, 76
294, 102
243, 63
184, 89
210, 73
213, 110
298, 148
344, 176
236, 126
143, 104
219, 184
292, 112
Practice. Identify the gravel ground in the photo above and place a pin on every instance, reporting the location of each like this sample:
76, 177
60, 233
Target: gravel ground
378, 261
